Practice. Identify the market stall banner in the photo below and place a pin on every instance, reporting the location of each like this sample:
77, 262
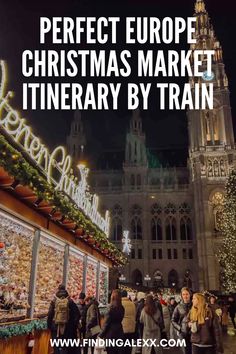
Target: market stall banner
56, 166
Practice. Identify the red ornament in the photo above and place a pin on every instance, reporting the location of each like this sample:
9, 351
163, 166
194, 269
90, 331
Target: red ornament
2, 245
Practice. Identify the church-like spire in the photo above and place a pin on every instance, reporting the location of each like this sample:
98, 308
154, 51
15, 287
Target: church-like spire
135, 141
76, 141
200, 6
204, 33
136, 123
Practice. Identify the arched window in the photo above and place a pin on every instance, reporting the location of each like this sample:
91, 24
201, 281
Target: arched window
158, 279
137, 277
136, 228
173, 279
185, 229
156, 228
218, 203
117, 229
171, 234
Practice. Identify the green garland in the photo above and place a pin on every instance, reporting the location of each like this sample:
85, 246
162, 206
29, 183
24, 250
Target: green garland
19, 329
16, 165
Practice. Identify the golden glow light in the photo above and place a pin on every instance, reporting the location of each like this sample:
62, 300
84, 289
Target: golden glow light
56, 166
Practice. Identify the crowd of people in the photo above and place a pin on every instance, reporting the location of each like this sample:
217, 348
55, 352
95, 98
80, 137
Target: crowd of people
197, 318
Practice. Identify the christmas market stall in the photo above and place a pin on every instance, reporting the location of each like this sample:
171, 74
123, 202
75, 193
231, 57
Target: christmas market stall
51, 232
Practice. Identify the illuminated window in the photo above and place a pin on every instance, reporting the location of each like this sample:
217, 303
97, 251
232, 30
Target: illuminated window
218, 203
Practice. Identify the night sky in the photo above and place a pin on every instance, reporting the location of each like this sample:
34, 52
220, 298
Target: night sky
19, 30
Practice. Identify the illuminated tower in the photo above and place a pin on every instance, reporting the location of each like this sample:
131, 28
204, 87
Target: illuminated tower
76, 140
211, 152
135, 166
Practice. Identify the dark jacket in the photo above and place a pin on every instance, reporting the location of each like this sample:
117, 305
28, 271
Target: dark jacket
232, 308
83, 312
209, 333
140, 306
171, 309
92, 316
179, 318
74, 316
112, 328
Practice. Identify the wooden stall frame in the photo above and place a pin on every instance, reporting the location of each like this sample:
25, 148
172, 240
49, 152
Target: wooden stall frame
38, 234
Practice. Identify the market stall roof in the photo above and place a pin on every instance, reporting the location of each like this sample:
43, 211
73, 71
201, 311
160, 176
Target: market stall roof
45, 180
21, 180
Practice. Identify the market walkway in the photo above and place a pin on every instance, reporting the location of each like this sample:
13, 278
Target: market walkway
229, 346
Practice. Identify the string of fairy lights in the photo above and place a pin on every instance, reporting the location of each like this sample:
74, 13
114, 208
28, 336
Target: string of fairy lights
227, 253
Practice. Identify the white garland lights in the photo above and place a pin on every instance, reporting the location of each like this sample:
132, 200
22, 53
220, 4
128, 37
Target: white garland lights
50, 163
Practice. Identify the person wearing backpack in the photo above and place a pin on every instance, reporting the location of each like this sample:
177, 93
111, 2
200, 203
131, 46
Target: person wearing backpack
63, 319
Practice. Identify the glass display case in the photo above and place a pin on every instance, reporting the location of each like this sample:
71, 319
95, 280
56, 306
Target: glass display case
75, 274
49, 272
103, 284
16, 239
16, 242
91, 277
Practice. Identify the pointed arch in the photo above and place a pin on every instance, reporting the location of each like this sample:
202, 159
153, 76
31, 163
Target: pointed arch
156, 229
185, 229
137, 277
170, 225
173, 279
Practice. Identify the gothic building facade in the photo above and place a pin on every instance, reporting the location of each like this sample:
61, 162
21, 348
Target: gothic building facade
172, 213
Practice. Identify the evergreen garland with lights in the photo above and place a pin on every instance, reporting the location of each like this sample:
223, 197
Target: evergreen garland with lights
227, 253
18, 167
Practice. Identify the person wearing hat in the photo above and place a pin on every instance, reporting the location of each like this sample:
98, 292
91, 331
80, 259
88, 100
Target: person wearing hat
63, 319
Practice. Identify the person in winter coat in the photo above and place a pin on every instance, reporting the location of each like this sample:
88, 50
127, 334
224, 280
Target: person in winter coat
63, 319
215, 307
129, 320
92, 318
112, 328
139, 325
171, 306
206, 335
179, 319
224, 317
232, 310
166, 317
83, 312
152, 324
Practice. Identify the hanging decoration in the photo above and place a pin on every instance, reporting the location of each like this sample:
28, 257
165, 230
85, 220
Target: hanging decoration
16, 165
55, 166
126, 242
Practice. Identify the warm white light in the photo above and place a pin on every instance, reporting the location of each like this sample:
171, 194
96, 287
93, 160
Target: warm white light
51, 163
126, 242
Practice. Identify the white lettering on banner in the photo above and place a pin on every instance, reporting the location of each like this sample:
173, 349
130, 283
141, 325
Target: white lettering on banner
50, 164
